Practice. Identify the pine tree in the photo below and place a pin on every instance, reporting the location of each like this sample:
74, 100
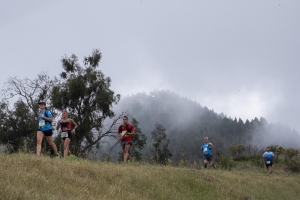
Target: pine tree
160, 150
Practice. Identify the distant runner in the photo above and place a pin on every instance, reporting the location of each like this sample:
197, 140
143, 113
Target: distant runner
68, 127
125, 131
207, 152
268, 155
45, 128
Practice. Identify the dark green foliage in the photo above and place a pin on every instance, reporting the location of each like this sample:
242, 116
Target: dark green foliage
292, 159
223, 162
236, 151
188, 122
291, 153
255, 160
106, 158
258, 162
18, 127
160, 151
139, 141
85, 90
293, 165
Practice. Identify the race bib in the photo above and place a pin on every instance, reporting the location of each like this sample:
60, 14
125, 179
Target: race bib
268, 162
204, 149
42, 123
64, 134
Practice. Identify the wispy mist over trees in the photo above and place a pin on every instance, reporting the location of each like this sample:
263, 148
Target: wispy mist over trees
86, 92
187, 122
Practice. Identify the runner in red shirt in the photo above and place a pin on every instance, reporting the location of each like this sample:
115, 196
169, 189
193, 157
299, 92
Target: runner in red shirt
125, 131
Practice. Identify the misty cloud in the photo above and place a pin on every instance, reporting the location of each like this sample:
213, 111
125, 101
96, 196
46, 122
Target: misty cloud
239, 58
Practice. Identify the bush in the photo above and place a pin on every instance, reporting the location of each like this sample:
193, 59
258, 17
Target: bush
225, 163
256, 160
294, 165
236, 151
292, 160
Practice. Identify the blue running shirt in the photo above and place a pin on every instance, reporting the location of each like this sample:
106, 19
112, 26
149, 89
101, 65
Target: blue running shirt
268, 156
44, 125
206, 149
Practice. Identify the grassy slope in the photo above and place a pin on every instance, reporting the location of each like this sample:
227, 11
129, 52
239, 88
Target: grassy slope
31, 177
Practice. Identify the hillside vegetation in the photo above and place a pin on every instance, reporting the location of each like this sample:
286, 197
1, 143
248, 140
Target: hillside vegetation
26, 176
187, 122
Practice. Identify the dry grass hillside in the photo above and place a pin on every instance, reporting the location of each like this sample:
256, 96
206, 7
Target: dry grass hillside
25, 176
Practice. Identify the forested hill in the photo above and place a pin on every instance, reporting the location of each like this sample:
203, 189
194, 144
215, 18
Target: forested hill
187, 122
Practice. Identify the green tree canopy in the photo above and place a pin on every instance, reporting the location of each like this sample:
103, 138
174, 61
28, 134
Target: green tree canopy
139, 141
17, 126
86, 92
160, 150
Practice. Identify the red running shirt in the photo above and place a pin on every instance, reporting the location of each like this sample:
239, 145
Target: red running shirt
129, 128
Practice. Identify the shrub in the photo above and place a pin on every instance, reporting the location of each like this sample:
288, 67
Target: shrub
256, 160
236, 151
225, 163
181, 163
169, 162
294, 165
292, 160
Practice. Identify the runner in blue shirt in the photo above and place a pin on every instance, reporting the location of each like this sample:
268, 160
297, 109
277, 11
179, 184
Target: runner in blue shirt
269, 155
207, 152
44, 128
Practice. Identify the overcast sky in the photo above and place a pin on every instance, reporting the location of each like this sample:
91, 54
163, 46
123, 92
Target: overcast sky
241, 58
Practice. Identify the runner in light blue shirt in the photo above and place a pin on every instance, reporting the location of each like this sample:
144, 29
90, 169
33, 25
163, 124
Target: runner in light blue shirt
206, 148
269, 155
45, 119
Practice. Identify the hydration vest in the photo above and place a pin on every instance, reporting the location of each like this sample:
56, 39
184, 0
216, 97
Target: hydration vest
127, 128
46, 115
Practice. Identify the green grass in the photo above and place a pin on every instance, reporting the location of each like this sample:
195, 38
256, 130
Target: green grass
25, 176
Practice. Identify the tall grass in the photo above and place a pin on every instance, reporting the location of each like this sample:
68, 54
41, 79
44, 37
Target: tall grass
25, 176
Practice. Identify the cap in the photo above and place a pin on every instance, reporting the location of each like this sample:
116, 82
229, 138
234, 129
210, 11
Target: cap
42, 102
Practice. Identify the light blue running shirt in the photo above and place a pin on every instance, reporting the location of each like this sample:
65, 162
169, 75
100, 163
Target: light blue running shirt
206, 149
44, 125
268, 156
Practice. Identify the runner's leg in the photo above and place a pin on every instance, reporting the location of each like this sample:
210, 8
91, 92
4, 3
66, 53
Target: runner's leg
39, 139
126, 153
52, 144
270, 169
66, 146
205, 163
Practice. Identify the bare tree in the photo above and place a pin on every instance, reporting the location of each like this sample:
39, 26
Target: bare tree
29, 91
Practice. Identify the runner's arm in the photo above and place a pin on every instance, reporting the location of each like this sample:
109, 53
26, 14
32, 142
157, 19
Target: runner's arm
49, 119
131, 131
74, 124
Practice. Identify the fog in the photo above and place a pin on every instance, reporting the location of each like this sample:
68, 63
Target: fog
236, 57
